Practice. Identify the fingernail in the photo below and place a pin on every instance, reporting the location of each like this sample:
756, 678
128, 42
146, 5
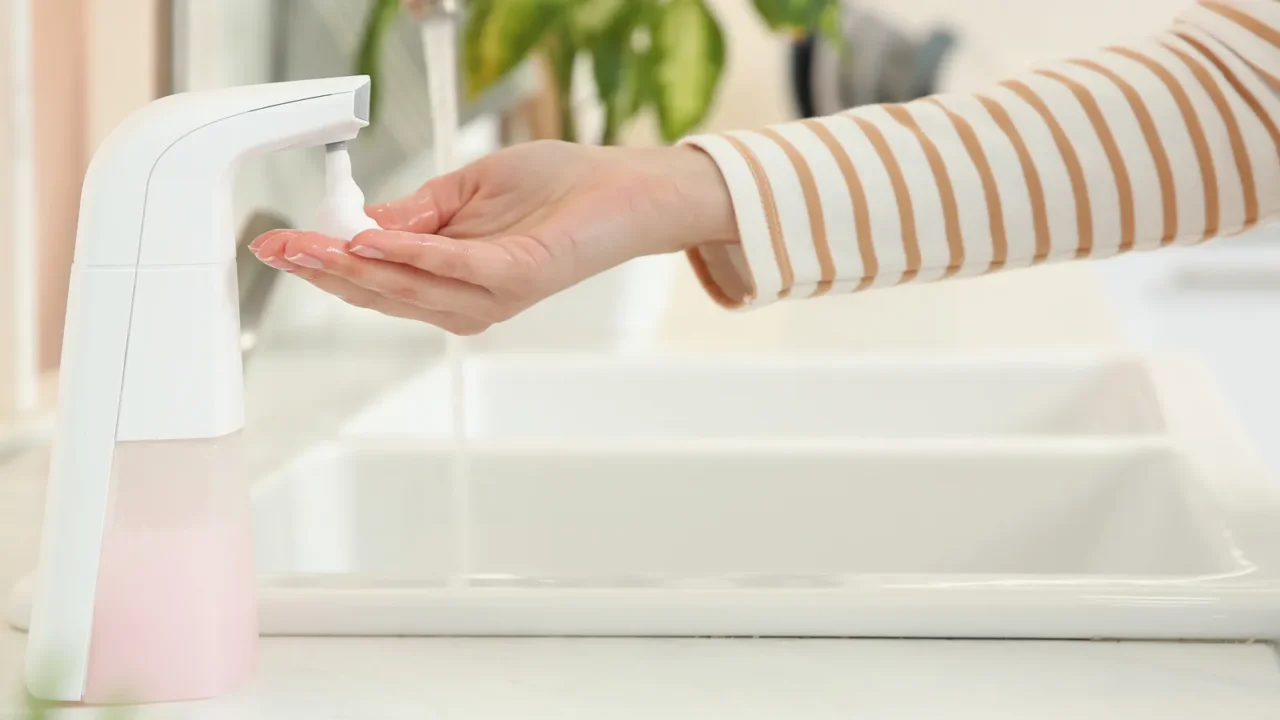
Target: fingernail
277, 263
257, 242
305, 260
367, 252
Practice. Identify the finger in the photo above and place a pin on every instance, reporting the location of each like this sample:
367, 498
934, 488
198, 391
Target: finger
487, 264
364, 298
395, 281
264, 237
427, 209
269, 248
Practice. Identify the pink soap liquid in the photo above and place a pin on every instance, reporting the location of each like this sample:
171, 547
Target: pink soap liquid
175, 614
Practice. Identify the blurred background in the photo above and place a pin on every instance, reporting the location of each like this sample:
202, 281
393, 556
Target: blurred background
70, 70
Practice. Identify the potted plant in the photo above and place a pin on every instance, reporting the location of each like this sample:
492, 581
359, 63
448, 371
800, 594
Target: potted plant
664, 56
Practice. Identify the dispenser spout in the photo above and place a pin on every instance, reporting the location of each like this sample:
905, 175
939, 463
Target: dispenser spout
173, 162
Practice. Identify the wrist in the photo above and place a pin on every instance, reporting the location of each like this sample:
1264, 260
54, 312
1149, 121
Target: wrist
679, 199
707, 207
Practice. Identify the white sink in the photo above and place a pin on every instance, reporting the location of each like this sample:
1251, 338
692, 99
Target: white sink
855, 496
892, 496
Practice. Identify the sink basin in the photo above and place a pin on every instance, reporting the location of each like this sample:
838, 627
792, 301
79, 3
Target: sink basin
667, 517
1041, 496
942, 496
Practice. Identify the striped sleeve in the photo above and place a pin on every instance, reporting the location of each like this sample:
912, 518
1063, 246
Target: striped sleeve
1170, 141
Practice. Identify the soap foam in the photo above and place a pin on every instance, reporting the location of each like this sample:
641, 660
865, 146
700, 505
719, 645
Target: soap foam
341, 211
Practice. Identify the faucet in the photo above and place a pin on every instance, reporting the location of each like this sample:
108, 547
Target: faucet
422, 9
146, 589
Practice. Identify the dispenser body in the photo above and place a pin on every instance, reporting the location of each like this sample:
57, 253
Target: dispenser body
145, 587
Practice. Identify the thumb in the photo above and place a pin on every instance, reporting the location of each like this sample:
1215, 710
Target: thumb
427, 210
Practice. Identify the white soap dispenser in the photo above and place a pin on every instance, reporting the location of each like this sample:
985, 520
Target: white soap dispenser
146, 588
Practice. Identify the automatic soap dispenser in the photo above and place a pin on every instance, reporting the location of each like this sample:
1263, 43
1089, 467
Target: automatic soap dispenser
145, 590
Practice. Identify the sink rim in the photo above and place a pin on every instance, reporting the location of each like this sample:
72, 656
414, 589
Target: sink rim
588, 382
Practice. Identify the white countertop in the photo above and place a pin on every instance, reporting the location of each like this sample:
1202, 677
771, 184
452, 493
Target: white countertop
301, 392
394, 679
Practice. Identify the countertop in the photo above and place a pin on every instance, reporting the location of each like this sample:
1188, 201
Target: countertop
299, 392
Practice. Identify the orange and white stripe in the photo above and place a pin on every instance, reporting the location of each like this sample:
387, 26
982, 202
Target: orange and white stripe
1173, 140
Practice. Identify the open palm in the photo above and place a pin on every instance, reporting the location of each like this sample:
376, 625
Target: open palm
480, 245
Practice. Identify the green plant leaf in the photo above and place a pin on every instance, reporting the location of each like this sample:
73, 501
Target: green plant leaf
773, 12
795, 14
381, 18
589, 20
828, 25
500, 34
822, 16
621, 72
688, 49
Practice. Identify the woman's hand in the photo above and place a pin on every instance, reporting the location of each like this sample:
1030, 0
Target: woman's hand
480, 245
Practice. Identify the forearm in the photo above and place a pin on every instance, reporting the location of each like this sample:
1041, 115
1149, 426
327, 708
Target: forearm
1164, 142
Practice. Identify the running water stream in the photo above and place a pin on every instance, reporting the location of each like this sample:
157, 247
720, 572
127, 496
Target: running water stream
439, 47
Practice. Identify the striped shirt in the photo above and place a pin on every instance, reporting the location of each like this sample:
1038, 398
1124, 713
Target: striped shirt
1170, 141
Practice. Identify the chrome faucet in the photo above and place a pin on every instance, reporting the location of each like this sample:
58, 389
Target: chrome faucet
422, 9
